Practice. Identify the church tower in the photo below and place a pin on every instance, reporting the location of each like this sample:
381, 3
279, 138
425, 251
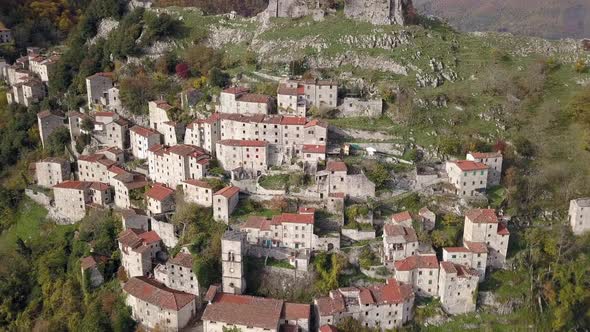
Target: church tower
232, 251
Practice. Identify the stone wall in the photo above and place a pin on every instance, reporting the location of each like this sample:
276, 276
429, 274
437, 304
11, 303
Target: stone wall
358, 107
290, 8
358, 235
378, 11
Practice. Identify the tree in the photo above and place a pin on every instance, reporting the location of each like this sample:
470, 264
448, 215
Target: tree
87, 125
378, 174
182, 70
57, 141
218, 78
134, 92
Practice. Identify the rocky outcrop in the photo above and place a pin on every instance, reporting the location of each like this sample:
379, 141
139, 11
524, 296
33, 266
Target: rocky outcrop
290, 8
379, 11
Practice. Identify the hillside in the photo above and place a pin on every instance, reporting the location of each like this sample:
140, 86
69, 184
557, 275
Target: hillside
542, 18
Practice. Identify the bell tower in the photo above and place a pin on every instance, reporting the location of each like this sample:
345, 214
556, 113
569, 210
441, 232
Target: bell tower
232, 251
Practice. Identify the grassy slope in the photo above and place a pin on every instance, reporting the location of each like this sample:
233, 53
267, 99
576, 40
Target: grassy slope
28, 225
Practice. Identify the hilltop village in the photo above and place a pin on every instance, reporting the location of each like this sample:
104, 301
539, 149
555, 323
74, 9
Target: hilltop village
284, 191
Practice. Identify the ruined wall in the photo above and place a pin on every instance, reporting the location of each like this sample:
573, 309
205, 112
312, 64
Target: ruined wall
290, 8
378, 11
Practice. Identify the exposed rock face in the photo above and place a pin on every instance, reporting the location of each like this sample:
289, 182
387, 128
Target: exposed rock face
290, 8
379, 11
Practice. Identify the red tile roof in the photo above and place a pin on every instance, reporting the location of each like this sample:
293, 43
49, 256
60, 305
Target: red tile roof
69, 184
102, 74
45, 114
296, 311
199, 183
136, 238
484, 155
468, 165
417, 262
211, 292
257, 222
143, 131
228, 192
336, 166
303, 210
294, 218
476, 247
456, 249
503, 229
293, 121
105, 114
163, 104
184, 149
336, 195
287, 91
310, 148
460, 270
99, 186
183, 259
245, 143
316, 122
159, 192
244, 310
401, 217
486, 216
236, 90
328, 328
408, 233
254, 98
87, 262
153, 292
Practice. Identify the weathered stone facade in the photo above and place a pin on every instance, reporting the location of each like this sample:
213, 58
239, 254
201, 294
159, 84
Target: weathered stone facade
579, 215
379, 11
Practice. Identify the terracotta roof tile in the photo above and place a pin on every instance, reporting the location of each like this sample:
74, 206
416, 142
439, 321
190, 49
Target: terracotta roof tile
183, 259
484, 155
228, 192
417, 262
254, 98
157, 294
294, 218
336, 166
310, 148
143, 131
408, 233
503, 229
401, 217
198, 183
78, 185
476, 247
468, 165
244, 310
159, 192
296, 311
236, 90
482, 216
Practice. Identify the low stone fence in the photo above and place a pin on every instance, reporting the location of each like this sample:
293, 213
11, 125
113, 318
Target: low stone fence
39, 198
358, 235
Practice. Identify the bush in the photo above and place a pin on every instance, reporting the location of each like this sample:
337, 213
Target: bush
57, 141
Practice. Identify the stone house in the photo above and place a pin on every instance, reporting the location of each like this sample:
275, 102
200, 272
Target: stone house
97, 87
43, 66
468, 177
253, 314
89, 266
198, 191
287, 230
420, 271
178, 273
483, 226
204, 133
5, 35
135, 219
129, 187
173, 132
172, 165
355, 107
75, 120
158, 113
72, 197
238, 100
16, 74
138, 251
113, 153
335, 204
51, 171
116, 133
245, 155
225, 202
142, 139
399, 242
168, 232
387, 306
154, 305
578, 215
160, 199
313, 154
337, 179
291, 100
27, 93
494, 162
457, 285
94, 167
312, 92
402, 218
472, 254
427, 218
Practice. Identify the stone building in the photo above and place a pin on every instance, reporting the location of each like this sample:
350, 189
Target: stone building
132, 218
90, 269
287, 230
172, 165
336, 178
399, 242
253, 314
238, 100
225, 202
379, 12
97, 87
420, 271
160, 199
172, 132
468, 177
204, 133
5, 34
138, 251
403, 218
233, 251
26, 93
116, 133
427, 219
313, 154
154, 305
158, 113
95, 167
245, 155
296, 96
167, 231
71, 198
142, 139
43, 66
579, 216
494, 162
483, 226
387, 306
291, 100
355, 107
472, 254
198, 191
178, 273
51, 171
457, 285
129, 187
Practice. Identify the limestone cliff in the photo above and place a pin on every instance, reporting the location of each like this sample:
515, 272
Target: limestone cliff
379, 11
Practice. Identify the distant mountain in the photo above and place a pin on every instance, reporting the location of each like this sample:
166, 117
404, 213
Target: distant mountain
544, 18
